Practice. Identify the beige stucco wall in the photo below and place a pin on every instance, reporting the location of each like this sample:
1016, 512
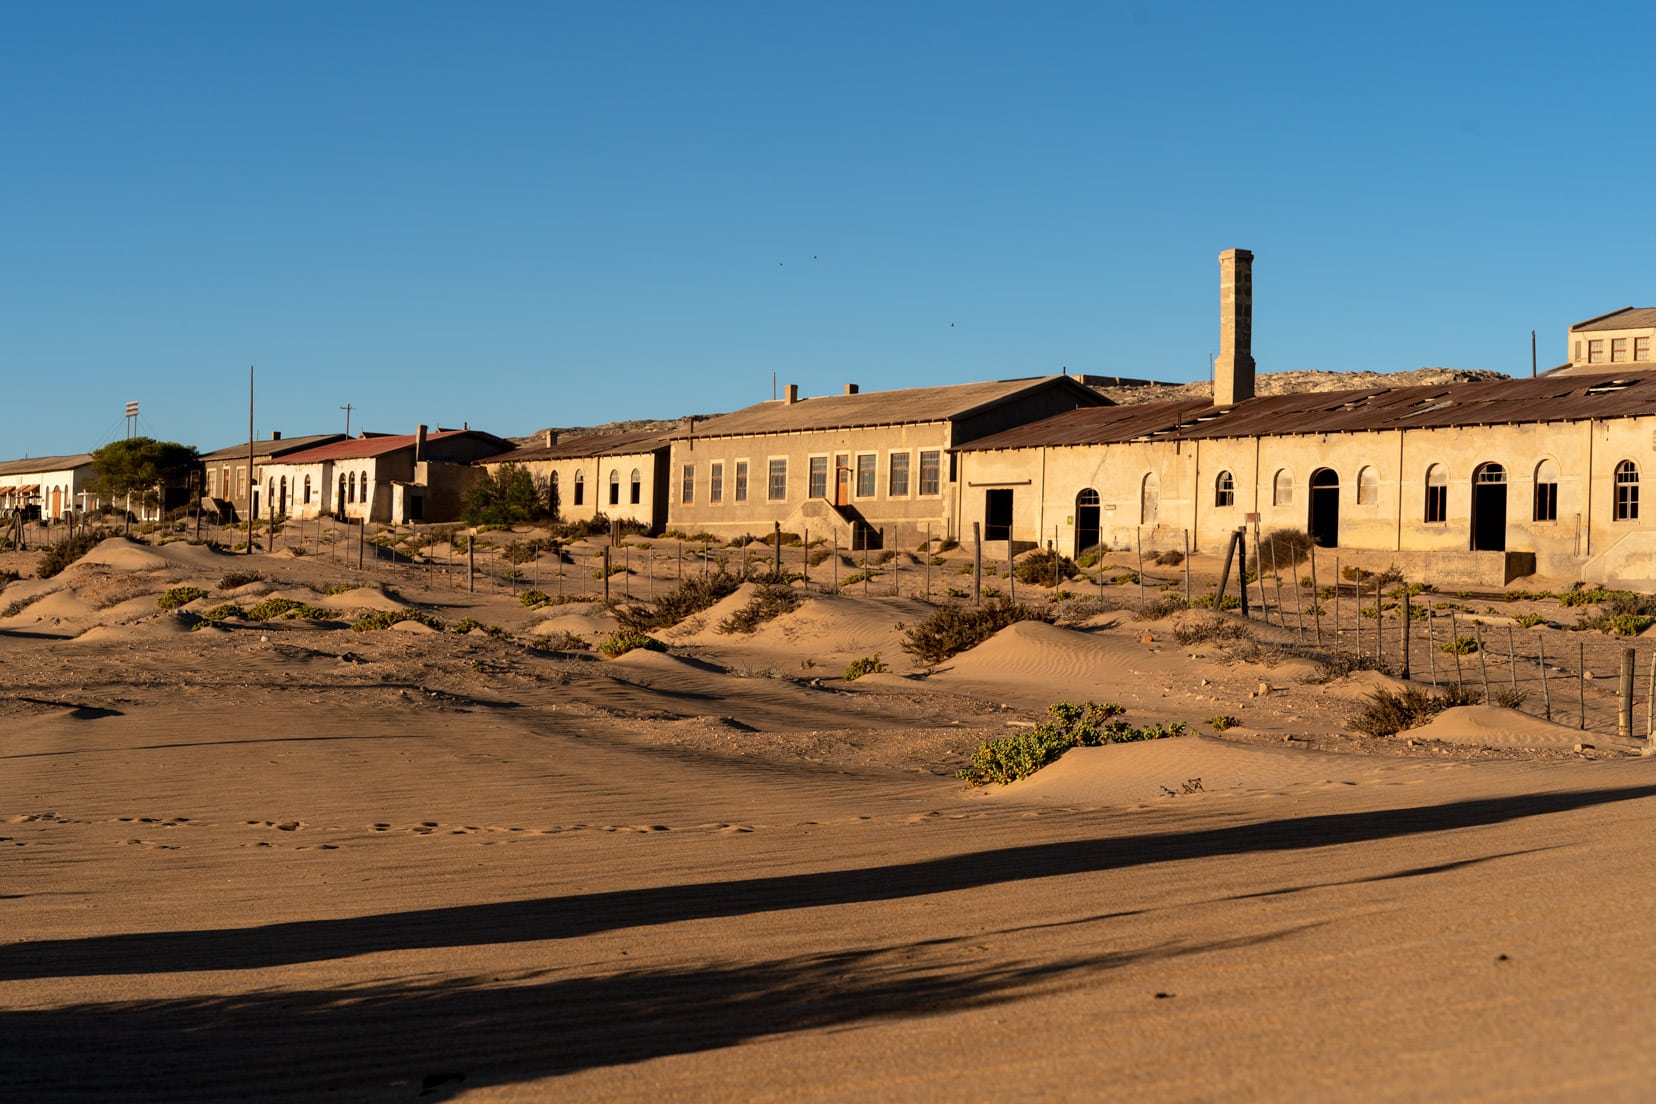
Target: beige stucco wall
594, 474
1045, 483
903, 516
60, 491
1579, 350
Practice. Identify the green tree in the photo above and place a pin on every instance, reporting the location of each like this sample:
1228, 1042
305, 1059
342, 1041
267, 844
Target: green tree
506, 495
140, 466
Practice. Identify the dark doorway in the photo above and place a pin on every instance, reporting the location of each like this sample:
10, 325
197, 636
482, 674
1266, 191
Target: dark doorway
997, 514
1489, 509
1324, 521
1086, 520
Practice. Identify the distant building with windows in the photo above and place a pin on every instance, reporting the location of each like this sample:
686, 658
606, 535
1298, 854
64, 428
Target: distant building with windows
47, 487
621, 476
225, 485
1621, 338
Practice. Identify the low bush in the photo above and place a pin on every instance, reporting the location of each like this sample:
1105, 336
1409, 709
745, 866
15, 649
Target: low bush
1283, 548
174, 597
1582, 596
1622, 613
1068, 725
948, 630
65, 552
1460, 645
468, 624
1389, 712
1043, 568
1090, 556
690, 597
1222, 721
1339, 664
231, 580
1208, 601
1530, 620
1158, 608
1508, 697
384, 619
7, 578
769, 601
222, 611
867, 665
859, 577
623, 642
272, 608
564, 641
1200, 629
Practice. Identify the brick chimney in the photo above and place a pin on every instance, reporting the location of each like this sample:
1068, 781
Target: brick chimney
1233, 373
419, 443
551, 437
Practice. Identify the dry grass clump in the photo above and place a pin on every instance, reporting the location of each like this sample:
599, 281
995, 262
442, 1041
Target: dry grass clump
1339, 664
67, 551
769, 601
562, 641
384, 619
234, 579
1157, 608
1387, 713
1283, 548
690, 597
1201, 629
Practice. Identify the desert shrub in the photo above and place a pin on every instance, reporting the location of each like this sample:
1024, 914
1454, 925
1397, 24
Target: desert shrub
1626, 624
1582, 596
1460, 645
174, 597
1530, 620
1171, 558
769, 601
859, 577
564, 641
65, 552
1411, 589
1283, 548
286, 608
1213, 627
1067, 725
819, 555
1158, 608
20, 605
623, 642
867, 665
1222, 721
231, 580
223, 610
384, 619
1387, 713
7, 578
1508, 697
534, 598
467, 624
948, 630
1090, 556
1622, 613
690, 597
1207, 601
614, 569
1339, 664
1044, 568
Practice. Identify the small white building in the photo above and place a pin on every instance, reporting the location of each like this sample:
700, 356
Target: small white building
51, 486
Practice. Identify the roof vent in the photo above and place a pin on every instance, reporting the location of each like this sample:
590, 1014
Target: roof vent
850, 389
791, 394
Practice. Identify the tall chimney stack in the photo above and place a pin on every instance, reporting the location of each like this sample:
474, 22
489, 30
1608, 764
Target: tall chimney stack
419, 443
551, 438
1233, 374
790, 394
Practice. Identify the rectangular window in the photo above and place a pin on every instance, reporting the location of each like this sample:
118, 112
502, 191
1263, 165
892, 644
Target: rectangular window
715, 483
1546, 501
897, 484
1618, 350
687, 492
615, 489
777, 489
741, 481
1578, 352
1641, 348
1437, 503
929, 468
819, 477
866, 474
580, 489
1595, 352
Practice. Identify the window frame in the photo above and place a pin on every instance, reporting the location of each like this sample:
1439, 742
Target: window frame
1224, 490
866, 475
1626, 484
741, 488
776, 479
687, 484
1436, 511
715, 481
934, 469
1282, 488
816, 476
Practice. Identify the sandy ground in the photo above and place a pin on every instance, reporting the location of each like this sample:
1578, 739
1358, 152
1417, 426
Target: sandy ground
287, 861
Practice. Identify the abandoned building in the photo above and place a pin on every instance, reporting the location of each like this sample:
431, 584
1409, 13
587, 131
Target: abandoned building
619, 476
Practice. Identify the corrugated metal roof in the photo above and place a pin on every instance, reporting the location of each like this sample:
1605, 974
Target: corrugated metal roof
358, 448
44, 464
1483, 402
905, 406
597, 444
272, 448
1628, 318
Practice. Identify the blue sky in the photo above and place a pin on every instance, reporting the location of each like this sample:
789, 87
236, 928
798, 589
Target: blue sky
522, 215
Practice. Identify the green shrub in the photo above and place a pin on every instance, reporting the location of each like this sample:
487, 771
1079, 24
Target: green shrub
222, 611
272, 608
1460, 645
948, 630
1043, 568
467, 624
1388, 713
859, 577
623, 642
867, 665
769, 601
564, 641
1067, 725
1229, 601
1586, 597
1222, 721
1530, 620
179, 596
1090, 556
384, 619
231, 580
1283, 548
690, 597
1627, 624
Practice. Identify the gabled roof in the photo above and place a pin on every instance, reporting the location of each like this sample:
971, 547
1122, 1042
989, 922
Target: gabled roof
268, 448
1628, 318
879, 408
44, 464
1374, 409
362, 448
596, 444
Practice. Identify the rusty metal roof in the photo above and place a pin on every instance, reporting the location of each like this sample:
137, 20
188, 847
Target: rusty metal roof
595, 444
1363, 410
268, 448
44, 464
356, 448
906, 406
1628, 318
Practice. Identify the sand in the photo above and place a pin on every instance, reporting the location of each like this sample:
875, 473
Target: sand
288, 861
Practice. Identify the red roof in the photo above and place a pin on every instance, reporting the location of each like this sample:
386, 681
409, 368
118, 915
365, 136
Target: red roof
356, 448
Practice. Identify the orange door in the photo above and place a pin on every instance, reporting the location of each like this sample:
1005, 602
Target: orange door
842, 481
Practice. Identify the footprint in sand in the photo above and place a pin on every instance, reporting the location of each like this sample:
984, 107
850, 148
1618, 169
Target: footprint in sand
279, 825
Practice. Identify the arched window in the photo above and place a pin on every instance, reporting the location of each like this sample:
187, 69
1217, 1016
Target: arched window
1224, 490
272, 503
580, 488
362, 484
552, 493
352, 497
1437, 494
1149, 499
1282, 491
614, 487
339, 500
1627, 491
637, 487
1489, 474
282, 502
307, 490
1368, 487
1546, 491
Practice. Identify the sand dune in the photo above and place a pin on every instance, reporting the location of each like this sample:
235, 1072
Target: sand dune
1492, 726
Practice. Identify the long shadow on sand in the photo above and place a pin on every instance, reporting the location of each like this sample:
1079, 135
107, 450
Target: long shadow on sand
401, 1041
573, 916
